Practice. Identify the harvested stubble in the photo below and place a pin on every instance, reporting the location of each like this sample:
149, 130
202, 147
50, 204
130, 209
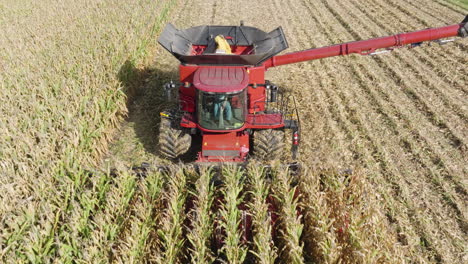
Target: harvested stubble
374, 117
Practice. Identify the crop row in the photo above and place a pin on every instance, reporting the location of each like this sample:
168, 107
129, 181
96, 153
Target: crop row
240, 216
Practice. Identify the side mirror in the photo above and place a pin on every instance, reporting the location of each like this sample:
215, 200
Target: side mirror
463, 31
168, 89
273, 93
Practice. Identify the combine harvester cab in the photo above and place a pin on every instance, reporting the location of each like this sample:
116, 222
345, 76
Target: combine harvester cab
223, 94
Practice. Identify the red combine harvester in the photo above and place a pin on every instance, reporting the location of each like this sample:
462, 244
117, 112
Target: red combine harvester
224, 97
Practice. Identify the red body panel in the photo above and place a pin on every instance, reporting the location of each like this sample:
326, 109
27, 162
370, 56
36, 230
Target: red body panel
221, 79
257, 96
224, 147
187, 94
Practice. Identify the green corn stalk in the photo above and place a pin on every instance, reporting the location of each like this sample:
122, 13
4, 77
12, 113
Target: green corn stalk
108, 224
130, 245
231, 216
264, 248
201, 219
119, 214
12, 239
92, 201
170, 233
152, 190
291, 222
128, 194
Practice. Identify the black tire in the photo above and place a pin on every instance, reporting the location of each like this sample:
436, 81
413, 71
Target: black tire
173, 141
268, 144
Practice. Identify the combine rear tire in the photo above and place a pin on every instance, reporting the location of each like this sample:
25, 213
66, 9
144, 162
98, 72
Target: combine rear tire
173, 141
268, 144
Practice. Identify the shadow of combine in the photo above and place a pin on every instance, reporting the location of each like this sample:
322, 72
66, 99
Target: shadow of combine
146, 99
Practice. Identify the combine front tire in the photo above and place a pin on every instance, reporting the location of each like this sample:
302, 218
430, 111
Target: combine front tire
268, 144
173, 141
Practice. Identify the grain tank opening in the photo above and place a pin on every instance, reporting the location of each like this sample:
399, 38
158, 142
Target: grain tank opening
197, 45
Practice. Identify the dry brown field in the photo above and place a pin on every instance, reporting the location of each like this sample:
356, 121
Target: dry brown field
81, 92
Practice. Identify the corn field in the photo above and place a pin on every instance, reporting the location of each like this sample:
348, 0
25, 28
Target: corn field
383, 154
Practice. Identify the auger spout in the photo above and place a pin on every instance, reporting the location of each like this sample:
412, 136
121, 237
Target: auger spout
365, 47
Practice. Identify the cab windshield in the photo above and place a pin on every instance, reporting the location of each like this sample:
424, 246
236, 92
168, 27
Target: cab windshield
221, 111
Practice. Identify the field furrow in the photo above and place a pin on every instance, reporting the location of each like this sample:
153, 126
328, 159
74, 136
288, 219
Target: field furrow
415, 21
414, 97
333, 107
450, 6
446, 88
428, 166
459, 146
432, 9
435, 56
313, 91
442, 7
